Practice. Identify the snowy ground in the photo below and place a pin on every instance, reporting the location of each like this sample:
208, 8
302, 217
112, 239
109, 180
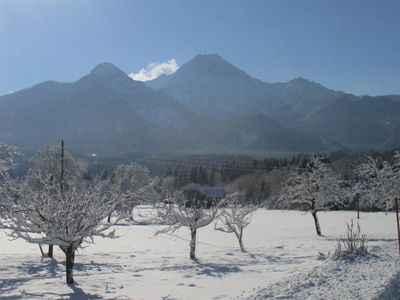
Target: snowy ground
282, 262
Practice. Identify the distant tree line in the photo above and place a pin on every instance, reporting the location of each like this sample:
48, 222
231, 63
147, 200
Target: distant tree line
228, 171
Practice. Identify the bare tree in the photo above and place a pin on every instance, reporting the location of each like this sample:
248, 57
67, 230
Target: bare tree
66, 218
191, 213
313, 187
234, 218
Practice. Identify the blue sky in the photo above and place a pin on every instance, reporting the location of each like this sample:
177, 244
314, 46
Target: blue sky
348, 45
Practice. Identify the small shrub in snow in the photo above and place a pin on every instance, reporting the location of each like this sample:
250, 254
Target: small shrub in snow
352, 245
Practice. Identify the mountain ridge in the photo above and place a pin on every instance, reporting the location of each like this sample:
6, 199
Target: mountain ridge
206, 104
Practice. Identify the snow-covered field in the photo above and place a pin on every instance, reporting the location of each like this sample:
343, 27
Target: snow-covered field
283, 261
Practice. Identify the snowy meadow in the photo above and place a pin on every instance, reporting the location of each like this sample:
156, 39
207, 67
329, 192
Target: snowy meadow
285, 260
128, 236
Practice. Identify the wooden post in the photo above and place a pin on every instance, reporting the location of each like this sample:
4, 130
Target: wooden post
358, 196
358, 205
398, 222
62, 167
50, 253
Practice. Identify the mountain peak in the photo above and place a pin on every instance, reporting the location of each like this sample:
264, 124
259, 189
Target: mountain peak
106, 69
302, 83
210, 65
300, 80
208, 58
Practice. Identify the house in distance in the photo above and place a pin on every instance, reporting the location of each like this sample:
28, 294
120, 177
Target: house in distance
201, 196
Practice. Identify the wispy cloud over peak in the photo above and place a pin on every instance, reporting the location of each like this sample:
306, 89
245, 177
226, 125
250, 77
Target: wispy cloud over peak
155, 70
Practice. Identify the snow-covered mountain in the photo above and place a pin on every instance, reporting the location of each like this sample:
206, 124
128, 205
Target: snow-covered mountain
213, 87
104, 111
207, 105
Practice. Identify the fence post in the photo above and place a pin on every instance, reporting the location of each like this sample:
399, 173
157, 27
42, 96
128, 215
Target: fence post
398, 222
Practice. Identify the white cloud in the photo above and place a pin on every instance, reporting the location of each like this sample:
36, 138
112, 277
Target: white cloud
155, 70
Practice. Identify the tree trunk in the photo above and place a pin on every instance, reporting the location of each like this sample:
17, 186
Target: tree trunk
50, 253
239, 235
193, 243
41, 250
358, 205
317, 227
241, 245
69, 264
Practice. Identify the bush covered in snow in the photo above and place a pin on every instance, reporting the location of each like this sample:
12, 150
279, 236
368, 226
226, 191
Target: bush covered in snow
352, 245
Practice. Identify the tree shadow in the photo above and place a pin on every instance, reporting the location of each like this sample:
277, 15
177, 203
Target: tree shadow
45, 268
48, 268
79, 294
391, 290
368, 239
252, 255
214, 270
8, 285
47, 265
98, 267
380, 240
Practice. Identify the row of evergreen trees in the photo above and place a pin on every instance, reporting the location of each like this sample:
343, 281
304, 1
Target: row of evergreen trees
229, 171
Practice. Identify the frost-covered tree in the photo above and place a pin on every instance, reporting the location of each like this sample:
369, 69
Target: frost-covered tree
65, 216
50, 162
53, 161
366, 187
7, 154
7, 184
312, 187
135, 186
190, 213
390, 179
380, 180
234, 217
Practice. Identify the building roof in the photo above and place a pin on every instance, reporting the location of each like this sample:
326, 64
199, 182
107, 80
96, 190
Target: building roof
208, 192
